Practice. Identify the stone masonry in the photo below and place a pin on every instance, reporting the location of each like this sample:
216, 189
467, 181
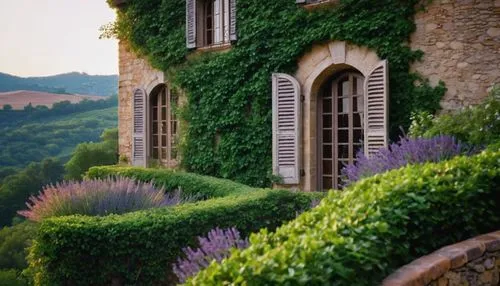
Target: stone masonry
461, 42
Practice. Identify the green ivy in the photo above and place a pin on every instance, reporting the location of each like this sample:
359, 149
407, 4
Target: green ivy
229, 94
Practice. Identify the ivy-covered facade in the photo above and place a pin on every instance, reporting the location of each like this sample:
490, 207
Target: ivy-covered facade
281, 91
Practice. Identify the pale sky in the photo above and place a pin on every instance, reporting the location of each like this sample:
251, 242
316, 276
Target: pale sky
47, 37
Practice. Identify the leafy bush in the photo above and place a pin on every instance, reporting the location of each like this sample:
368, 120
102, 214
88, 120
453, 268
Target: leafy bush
406, 151
359, 236
87, 155
138, 248
96, 197
215, 246
13, 242
191, 184
478, 125
10, 277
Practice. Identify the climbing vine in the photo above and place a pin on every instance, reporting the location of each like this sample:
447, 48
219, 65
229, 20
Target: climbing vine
229, 94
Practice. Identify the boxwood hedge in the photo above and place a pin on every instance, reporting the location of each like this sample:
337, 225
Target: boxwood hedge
360, 236
190, 183
139, 248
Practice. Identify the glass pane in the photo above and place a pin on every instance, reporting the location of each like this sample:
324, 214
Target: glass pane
341, 165
354, 86
155, 113
327, 121
155, 141
164, 127
357, 148
173, 125
360, 105
173, 153
163, 98
357, 136
155, 153
355, 104
360, 86
327, 183
163, 113
345, 88
357, 119
343, 136
163, 153
327, 106
164, 141
155, 128
343, 105
327, 167
343, 151
327, 136
327, 151
343, 120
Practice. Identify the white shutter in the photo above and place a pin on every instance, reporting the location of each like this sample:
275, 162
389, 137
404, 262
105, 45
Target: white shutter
376, 109
232, 20
286, 128
139, 128
191, 24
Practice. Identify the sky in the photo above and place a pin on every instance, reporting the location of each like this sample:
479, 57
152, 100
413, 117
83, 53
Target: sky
47, 37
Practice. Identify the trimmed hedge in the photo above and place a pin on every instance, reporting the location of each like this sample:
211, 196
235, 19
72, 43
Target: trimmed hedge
190, 183
139, 248
360, 236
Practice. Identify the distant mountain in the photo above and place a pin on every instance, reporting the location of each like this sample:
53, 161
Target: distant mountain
68, 83
20, 98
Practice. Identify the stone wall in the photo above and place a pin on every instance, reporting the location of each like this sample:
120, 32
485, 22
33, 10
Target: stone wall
472, 262
135, 72
461, 42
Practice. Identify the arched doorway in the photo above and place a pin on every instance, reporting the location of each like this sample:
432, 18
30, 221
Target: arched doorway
340, 125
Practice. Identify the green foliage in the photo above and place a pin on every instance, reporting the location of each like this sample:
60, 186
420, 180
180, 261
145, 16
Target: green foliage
13, 242
87, 155
229, 93
16, 189
139, 248
171, 180
10, 277
359, 236
478, 125
34, 140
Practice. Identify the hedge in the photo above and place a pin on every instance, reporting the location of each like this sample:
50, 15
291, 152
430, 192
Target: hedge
190, 183
360, 236
139, 248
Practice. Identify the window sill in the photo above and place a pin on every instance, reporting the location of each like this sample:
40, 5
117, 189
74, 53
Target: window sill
323, 4
215, 48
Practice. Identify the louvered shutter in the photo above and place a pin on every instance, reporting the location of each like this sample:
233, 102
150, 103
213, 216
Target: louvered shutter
286, 127
191, 24
232, 20
139, 128
376, 109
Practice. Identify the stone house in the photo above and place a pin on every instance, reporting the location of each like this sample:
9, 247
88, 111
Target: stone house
337, 101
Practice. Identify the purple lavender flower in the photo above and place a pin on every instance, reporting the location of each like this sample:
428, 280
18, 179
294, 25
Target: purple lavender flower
97, 197
216, 246
406, 151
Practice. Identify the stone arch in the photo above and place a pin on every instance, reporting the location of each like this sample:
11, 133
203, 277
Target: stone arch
316, 66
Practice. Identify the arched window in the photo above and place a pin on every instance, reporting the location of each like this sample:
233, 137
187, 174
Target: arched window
340, 126
163, 126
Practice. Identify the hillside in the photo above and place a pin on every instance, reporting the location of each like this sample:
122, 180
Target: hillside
19, 99
54, 136
68, 83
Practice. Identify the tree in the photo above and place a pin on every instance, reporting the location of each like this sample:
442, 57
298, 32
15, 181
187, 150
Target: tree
7, 107
87, 155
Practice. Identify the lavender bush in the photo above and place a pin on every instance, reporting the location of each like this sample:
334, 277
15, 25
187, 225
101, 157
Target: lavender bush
96, 197
406, 151
215, 246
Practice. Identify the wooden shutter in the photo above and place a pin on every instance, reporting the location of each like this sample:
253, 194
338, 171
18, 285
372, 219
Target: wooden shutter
191, 24
139, 128
286, 127
376, 108
232, 20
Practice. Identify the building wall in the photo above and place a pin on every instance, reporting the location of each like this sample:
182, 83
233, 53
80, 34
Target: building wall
461, 42
135, 72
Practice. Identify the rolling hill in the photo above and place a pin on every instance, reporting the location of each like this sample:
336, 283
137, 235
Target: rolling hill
19, 99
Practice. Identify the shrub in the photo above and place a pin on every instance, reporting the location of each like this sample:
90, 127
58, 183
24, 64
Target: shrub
406, 151
13, 242
138, 248
215, 246
171, 180
10, 277
96, 197
359, 236
478, 125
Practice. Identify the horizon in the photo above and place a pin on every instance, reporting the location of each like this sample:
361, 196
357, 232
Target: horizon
58, 74
43, 38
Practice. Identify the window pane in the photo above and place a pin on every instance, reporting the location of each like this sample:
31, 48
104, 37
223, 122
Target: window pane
163, 113
327, 183
355, 104
164, 127
155, 128
343, 136
173, 127
155, 113
360, 87
357, 148
343, 105
343, 151
341, 165
327, 121
327, 106
357, 119
163, 97
163, 153
155, 141
327, 167
155, 153
327, 151
343, 120
345, 88
164, 141
354, 86
357, 136
327, 136
173, 154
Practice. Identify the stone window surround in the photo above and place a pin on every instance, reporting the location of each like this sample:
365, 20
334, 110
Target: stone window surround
314, 68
